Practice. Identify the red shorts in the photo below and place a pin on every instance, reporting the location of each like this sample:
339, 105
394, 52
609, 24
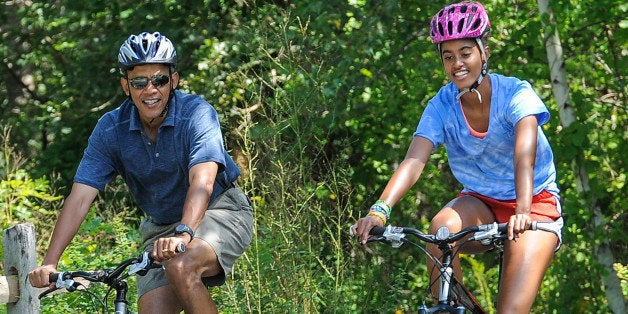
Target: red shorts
543, 206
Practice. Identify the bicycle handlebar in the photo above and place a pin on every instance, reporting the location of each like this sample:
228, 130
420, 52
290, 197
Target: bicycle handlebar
395, 235
137, 265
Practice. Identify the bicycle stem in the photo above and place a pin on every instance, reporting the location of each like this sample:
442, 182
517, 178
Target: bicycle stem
446, 272
121, 305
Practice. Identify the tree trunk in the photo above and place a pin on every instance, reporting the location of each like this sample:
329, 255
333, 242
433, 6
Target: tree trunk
560, 86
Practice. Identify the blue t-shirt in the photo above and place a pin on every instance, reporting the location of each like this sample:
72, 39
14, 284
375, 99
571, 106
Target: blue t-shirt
157, 174
485, 165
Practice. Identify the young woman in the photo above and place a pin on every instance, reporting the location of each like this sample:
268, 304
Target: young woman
490, 126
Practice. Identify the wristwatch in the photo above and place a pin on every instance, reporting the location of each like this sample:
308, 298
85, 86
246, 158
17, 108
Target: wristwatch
183, 228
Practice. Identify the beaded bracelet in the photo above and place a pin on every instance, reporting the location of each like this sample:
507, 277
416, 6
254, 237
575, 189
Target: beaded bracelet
379, 215
383, 207
380, 209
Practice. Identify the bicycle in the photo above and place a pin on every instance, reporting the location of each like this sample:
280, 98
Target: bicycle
452, 297
114, 278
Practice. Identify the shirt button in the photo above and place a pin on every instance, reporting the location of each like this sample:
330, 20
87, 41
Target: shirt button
157, 155
149, 144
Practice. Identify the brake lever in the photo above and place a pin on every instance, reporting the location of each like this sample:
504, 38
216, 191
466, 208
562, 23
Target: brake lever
375, 239
45, 293
142, 265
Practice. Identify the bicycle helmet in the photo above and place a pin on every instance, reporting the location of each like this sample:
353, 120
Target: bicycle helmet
464, 20
146, 48
458, 21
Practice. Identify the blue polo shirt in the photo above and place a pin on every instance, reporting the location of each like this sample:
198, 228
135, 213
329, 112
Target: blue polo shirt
485, 165
157, 174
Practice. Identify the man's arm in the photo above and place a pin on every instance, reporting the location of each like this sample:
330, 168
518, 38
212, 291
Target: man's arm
202, 177
75, 208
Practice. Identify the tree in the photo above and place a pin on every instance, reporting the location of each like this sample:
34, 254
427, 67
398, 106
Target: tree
560, 85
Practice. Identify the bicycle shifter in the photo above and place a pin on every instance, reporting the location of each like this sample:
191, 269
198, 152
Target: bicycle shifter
486, 236
394, 236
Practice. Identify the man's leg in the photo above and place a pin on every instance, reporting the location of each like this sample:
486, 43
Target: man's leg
184, 274
160, 300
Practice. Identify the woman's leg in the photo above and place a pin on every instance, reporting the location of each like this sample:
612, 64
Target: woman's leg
460, 213
526, 260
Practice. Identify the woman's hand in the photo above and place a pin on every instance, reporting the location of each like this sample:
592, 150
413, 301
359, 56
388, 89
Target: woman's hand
362, 227
517, 224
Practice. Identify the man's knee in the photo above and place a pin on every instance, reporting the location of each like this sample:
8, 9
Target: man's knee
181, 269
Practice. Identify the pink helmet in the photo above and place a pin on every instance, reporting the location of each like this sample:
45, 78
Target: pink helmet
458, 21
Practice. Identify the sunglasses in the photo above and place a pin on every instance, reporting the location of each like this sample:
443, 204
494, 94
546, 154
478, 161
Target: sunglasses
141, 82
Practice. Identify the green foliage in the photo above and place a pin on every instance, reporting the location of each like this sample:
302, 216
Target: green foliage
318, 102
102, 243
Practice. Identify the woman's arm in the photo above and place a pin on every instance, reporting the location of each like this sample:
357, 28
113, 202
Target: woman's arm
524, 157
404, 177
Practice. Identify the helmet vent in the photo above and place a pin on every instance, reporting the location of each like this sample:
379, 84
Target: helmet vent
477, 24
460, 25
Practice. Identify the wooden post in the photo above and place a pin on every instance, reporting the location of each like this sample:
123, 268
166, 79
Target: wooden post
19, 259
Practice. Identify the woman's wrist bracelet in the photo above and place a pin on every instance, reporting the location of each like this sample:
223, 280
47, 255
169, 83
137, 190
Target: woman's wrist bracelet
378, 215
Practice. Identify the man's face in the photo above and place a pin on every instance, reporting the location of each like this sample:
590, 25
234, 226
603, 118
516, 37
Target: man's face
149, 87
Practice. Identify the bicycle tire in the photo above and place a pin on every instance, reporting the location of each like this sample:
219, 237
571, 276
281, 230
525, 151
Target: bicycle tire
463, 296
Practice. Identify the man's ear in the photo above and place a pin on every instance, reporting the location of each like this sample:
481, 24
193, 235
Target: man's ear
125, 86
175, 80
487, 50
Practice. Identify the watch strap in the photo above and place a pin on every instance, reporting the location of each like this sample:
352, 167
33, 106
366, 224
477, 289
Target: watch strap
183, 228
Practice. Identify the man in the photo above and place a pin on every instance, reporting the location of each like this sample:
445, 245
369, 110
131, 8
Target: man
168, 148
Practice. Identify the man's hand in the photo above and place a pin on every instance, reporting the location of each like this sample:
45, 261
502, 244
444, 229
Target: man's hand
40, 276
168, 248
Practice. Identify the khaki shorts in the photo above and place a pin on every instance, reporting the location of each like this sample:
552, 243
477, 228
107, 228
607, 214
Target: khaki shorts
227, 227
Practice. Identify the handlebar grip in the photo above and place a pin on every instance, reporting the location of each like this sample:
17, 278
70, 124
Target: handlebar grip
180, 248
52, 277
377, 231
503, 227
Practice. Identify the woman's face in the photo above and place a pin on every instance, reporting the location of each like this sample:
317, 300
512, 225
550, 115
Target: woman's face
144, 85
462, 61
